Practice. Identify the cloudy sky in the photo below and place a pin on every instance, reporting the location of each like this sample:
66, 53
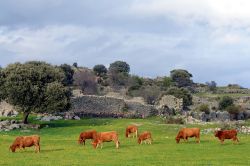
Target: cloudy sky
209, 38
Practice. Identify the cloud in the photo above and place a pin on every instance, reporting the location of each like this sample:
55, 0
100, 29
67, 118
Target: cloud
207, 37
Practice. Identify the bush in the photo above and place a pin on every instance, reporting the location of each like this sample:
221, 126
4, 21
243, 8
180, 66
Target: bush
119, 67
233, 109
225, 102
204, 108
181, 93
173, 120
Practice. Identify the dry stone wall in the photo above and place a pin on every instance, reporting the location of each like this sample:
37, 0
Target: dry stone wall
103, 106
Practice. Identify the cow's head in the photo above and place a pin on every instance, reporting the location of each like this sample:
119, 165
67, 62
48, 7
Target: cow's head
12, 148
217, 133
80, 141
95, 143
179, 136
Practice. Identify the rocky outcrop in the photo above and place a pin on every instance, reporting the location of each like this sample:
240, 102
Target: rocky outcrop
212, 116
7, 110
8, 125
103, 106
171, 102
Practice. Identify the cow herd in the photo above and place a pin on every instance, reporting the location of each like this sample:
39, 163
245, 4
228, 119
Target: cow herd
98, 138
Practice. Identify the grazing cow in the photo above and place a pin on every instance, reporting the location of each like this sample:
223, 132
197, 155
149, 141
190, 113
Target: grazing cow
86, 135
26, 141
106, 137
226, 134
146, 137
184, 133
131, 129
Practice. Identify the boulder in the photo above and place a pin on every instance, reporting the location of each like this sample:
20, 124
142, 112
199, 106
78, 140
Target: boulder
223, 115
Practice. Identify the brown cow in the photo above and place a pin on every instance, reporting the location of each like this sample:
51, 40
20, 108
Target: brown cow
26, 141
226, 134
131, 129
86, 135
184, 133
106, 137
146, 137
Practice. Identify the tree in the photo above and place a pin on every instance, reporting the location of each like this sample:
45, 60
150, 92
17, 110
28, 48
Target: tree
181, 93
35, 87
119, 67
212, 86
181, 77
225, 101
100, 70
75, 65
1, 84
69, 72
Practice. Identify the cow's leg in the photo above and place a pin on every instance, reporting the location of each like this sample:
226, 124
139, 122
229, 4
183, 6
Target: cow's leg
222, 141
136, 133
84, 142
117, 144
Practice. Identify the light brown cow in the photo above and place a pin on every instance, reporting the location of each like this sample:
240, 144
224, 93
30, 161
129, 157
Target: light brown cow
226, 134
184, 133
106, 137
91, 134
146, 137
26, 141
131, 130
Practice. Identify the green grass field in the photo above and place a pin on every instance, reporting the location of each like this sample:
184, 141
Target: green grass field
59, 146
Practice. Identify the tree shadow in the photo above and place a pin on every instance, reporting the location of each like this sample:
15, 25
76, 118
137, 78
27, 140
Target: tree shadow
71, 123
41, 151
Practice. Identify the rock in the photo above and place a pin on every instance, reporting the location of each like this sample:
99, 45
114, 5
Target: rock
7, 110
204, 117
247, 114
212, 116
50, 118
13, 121
240, 116
223, 116
77, 118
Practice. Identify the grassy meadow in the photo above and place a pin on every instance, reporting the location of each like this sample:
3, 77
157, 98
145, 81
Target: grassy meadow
59, 146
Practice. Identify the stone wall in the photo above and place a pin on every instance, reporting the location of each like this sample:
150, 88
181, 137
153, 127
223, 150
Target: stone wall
171, 102
103, 106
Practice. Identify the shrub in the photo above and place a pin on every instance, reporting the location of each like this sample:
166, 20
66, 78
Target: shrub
173, 120
204, 108
181, 93
233, 109
225, 102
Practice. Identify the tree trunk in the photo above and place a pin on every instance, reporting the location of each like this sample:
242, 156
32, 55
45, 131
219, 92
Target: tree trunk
25, 117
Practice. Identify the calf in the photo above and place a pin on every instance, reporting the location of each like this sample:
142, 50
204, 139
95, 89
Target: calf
146, 137
106, 137
226, 134
188, 132
91, 134
132, 129
26, 141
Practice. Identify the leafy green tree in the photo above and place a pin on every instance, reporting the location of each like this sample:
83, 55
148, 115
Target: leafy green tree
181, 93
167, 82
100, 70
181, 77
225, 101
234, 109
35, 87
119, 67
69, 72
1, 84
204, 108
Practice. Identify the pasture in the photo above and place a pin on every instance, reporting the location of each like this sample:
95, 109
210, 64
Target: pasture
59, 146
